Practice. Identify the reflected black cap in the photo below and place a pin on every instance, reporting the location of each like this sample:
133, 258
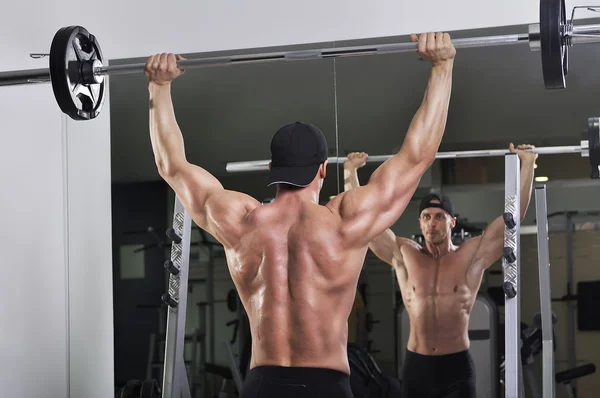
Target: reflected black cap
297, 151
445, 203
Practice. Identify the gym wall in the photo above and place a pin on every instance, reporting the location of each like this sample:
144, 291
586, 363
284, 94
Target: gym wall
34, 243
587, 343
139, 277
216, 26
57, 296
86, 185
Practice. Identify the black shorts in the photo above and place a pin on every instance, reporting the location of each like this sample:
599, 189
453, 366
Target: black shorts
443, 376
288, 382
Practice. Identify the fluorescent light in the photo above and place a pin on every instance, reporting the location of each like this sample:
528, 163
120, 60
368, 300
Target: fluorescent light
541, 179
535, 166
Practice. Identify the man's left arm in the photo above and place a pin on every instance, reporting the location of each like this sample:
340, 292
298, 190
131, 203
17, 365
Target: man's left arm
491, 243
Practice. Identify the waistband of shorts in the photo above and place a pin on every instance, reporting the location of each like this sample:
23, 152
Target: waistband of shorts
298, 373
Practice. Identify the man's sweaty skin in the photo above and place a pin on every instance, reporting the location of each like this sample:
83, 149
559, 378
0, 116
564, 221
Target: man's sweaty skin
439, 282
296, 264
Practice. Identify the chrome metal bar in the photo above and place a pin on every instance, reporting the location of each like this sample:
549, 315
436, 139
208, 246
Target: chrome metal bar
541, 211
27, 76
260, 165
472, 42
298, 55
234, 366
210, 301
571, 304
175, 381
585, 33
512, 287
586, 29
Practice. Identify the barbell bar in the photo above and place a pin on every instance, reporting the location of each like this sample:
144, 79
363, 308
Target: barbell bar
580, 35
77, 68
33, 76
262, 165
43, 75
587, 148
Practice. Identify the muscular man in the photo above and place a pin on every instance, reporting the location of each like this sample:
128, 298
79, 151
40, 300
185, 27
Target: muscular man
295, 263
439, 284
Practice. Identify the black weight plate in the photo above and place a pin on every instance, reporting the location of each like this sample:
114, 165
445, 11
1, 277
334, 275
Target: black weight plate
71, 48
594, 146
553, 44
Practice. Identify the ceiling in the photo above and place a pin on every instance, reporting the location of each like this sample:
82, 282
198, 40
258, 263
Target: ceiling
230, 113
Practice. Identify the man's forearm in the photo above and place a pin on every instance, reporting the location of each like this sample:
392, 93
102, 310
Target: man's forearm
526, 177
165, 135
350, 178
427, 126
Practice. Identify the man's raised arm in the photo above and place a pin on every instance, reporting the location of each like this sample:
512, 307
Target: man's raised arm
369, 210
491, 243
214, 209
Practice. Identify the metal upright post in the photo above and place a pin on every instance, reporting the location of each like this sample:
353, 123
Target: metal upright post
395, 324
175, 379
571, 304
210, 301
545, 294
510, 263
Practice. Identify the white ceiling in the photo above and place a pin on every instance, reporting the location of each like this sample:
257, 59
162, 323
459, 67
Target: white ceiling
230, 113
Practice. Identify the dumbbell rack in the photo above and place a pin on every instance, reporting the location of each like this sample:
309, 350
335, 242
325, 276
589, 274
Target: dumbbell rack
175, 380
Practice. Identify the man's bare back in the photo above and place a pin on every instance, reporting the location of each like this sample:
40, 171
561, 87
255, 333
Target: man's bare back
296, 279
296, 263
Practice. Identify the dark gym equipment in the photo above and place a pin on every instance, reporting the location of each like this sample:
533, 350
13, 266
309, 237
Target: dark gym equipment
139, 389
367, 380
594, 145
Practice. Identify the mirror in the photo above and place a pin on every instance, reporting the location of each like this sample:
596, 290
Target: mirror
366, 104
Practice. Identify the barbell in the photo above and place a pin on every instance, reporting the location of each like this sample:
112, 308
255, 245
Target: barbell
587, 148
77, 67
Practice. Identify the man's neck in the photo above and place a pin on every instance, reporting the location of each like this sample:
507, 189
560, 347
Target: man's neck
307, 194
441, 249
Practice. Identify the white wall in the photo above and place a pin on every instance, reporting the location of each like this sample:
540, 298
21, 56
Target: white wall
57, 334
33, 239
88, 199
56, 239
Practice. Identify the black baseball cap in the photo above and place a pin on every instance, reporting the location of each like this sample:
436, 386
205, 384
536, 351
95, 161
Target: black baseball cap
297, 151
444, 203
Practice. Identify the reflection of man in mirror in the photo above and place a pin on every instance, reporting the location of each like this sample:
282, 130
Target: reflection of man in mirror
439, 283
295, 263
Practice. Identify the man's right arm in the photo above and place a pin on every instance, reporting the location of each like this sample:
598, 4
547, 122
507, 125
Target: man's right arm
216, 210
369, 210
